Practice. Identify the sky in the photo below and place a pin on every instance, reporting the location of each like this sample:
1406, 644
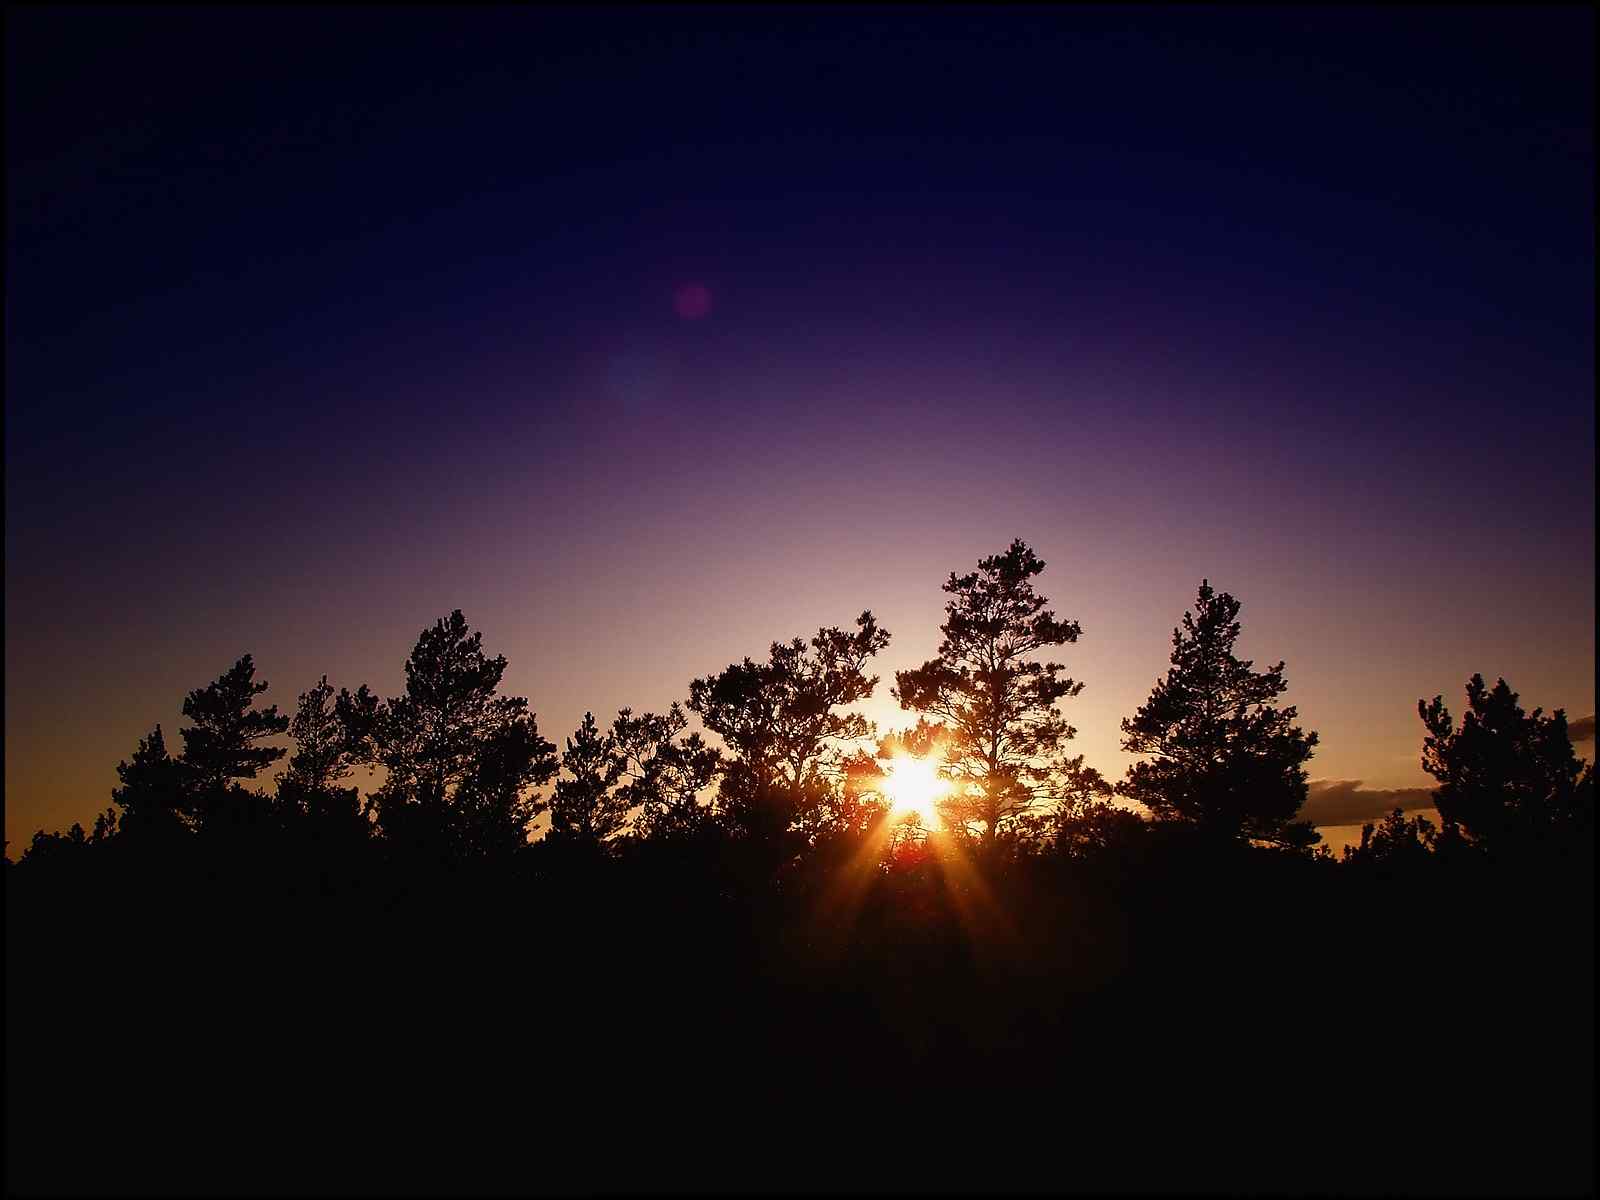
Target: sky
648, 336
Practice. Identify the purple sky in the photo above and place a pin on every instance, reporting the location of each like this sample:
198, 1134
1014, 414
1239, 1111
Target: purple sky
1299, 302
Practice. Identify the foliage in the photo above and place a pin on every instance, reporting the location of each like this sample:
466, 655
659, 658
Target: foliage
850, 811
783, 723
1510, 780
1398, 844
1091, 826
461, 760
995, 723
1219, 753
793, 942
587, 806
154, 793
225, 741
664, 774
333, 737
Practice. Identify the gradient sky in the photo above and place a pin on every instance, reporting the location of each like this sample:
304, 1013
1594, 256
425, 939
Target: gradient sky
321, 323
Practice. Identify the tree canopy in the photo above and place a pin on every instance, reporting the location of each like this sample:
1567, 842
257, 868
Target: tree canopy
1218, 752
785, 724
992, 703
462, 761
1510, 780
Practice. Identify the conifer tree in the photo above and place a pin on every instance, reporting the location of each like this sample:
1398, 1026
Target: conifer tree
225, 744
587, 806
1509, 780
461, 759
665, 774
333, 735
1218, 752
783, 723
992, 702
154, 795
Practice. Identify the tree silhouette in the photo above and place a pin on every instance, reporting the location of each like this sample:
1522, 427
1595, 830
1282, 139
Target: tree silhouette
50, 849
155, 794
1398, 844
55, 848
107, 825
848, 810
1003, 740
1509, 780
818, 952
1084, 822
664, 773
587, 807
333, 736
461, 760
781, 720
1221, 755
225, 745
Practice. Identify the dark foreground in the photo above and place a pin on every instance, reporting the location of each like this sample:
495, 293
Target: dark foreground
1256, 1022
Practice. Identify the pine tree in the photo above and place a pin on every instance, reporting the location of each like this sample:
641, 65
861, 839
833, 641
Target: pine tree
1509, 780
155, 794
993, 703
665, 774
1219, 754
1397, 845
333, 735
461, 759
224, 743
588, 807
783, 723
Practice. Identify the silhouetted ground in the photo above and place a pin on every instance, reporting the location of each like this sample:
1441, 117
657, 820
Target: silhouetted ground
1254, 1022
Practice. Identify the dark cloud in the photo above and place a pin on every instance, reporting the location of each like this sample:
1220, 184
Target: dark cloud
1346, 802
1581, 730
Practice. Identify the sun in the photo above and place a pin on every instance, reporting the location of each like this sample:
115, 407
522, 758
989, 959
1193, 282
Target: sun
914, 786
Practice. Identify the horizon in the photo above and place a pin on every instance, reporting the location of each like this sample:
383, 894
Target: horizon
647, 342
1332, 802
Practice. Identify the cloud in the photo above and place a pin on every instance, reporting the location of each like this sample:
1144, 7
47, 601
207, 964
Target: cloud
1346, 802
1581, 730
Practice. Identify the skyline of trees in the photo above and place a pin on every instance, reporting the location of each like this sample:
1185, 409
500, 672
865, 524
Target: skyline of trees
462, 767
740, 913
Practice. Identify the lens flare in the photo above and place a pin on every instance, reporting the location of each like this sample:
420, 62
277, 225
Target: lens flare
693, 301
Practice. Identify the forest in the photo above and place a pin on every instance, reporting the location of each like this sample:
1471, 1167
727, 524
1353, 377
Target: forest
754, 941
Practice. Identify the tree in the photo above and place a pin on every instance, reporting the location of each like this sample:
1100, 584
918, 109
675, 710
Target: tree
993, 704
850, 810
664, 773
1509, 780
69, 847
1220, 754
588, 808
1398, 844
1085, 822
333, 735
461, 759
155, 796
331, 739
52, 849
782, 721
225, 742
